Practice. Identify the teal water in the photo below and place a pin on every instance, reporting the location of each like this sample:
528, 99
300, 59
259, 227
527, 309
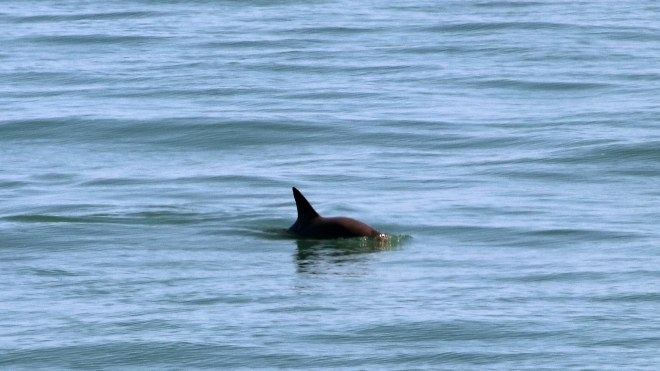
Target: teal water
148, 150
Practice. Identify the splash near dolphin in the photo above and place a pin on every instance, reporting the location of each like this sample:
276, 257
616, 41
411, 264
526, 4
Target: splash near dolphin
312, 225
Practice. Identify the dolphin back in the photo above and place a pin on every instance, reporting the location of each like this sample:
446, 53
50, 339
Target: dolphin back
312, 225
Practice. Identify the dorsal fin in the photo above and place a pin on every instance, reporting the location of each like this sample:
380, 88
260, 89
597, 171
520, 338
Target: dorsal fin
305, 210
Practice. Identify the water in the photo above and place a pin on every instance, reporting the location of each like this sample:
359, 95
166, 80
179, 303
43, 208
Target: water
148, 151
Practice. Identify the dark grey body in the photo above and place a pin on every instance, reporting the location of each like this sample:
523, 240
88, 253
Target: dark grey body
325, 228
312, 225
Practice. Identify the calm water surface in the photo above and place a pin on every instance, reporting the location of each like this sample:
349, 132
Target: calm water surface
510, 148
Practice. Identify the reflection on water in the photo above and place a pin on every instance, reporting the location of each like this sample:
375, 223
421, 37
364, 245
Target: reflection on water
313, 256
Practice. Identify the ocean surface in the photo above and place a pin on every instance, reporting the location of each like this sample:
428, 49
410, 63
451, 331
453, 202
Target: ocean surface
510, 149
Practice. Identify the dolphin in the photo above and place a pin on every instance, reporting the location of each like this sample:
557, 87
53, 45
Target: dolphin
312, 225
